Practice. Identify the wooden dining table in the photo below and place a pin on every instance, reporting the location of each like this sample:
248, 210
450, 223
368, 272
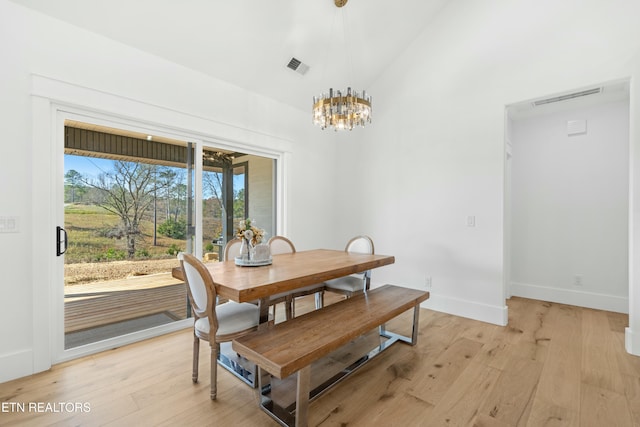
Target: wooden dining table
286, 273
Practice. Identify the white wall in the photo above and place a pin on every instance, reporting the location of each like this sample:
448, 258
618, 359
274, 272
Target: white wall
570, 207
129, 84
435, 152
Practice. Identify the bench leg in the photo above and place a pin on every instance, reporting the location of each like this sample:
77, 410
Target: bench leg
302, 396
416, 323
412, 340
264, 381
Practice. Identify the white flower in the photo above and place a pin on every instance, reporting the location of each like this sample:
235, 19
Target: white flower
246, 230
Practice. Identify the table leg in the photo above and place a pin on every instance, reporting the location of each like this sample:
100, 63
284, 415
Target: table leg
319, 297
263, 304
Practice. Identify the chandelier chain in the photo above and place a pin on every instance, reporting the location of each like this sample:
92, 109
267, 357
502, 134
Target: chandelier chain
338, 110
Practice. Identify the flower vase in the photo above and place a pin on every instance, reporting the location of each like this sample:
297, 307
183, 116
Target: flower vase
245, 250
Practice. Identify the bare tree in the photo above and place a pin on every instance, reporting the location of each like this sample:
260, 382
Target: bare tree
212, 182
127, 191
179, 195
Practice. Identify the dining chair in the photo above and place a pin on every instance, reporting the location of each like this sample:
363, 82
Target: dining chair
355, 283
232, 248
282, 245
213, 323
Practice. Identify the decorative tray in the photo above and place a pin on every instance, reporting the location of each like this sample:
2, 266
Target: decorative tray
252, 263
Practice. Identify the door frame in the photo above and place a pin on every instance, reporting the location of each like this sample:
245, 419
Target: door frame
60, 354
52, 102
632, 343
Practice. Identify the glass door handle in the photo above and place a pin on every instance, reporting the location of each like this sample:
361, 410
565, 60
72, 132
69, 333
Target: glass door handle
61, 243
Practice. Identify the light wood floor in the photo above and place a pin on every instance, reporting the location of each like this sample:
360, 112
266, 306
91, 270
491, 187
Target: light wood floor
554, 365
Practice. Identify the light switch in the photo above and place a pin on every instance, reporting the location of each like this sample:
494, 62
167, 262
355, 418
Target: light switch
471, 221
9, 224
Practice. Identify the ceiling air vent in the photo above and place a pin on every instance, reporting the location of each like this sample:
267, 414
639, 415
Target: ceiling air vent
297, 66
567, 97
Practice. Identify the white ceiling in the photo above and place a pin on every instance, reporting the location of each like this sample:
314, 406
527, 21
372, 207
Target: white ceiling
249, 42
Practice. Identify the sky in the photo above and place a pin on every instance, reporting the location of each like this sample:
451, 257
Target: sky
90, 167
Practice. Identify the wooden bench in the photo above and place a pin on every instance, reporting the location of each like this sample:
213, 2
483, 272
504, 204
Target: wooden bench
291, 347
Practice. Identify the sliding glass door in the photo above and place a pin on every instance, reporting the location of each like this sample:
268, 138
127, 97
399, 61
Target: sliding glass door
126, 217
235, 186
130, 207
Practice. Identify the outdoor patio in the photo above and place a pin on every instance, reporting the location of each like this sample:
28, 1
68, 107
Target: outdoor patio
99, 310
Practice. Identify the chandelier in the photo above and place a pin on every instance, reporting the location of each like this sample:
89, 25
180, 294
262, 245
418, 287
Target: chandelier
341, 110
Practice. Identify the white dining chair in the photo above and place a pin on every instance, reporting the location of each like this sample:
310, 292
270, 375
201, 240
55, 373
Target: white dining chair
232, 248
213, 323
355, 283
282, 245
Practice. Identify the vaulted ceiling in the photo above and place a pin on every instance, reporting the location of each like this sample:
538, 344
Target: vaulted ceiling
249, 42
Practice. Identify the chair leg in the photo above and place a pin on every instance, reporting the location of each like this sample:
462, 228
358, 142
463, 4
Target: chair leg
196, 358
214, 370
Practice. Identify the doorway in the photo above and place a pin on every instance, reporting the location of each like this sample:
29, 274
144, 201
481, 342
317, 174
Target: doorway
125, 220
53, 102
566, 198
132, 201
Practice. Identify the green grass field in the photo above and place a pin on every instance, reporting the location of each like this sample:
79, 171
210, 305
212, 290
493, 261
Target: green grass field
87, 227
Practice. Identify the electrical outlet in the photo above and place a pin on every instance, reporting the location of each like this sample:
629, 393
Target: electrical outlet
427, 282
471, 221
577, 280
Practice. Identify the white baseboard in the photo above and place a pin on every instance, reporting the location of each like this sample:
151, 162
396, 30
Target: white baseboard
576, 297
16, 365
632, 342
498, 315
